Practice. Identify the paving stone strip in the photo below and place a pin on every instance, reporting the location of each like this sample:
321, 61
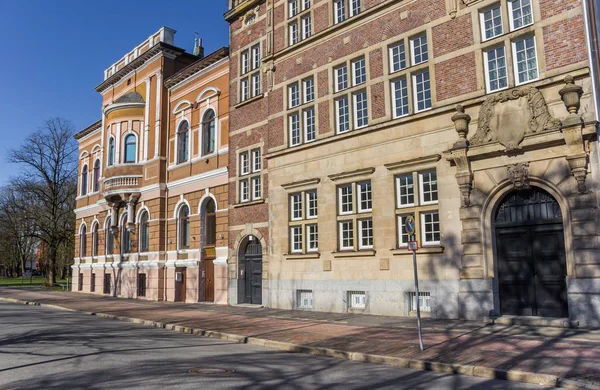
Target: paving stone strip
557, 358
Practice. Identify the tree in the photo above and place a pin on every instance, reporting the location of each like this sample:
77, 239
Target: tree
49, 184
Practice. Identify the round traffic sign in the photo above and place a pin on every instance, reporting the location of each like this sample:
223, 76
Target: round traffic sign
409, 225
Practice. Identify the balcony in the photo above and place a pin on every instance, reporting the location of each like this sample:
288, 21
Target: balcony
122, 179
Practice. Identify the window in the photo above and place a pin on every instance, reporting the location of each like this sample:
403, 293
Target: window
183, 221
424, 301
84, 180
80, 282
93, 282
400, 97
141, 285
491, 22
96, 186
303, 212
355, 223
422, 87
300, 22
250, 73
125, 236
357, 299
210, 223
83, 241
495, 69
421, 205
301, 124
521, 14
95, 240
144, 232
525, 60
419, 50
397, 57
304, 299
111, 151
250, 181
107, 284
110, 238
343, 9
130, 148
208, 132
183, 142
347, 118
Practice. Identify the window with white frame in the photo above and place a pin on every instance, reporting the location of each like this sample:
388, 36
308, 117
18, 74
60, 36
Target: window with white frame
357, 299
355, 221
496, 76
299, 20
249, 178
491, 22
410, 85
344, 9
417, 195
424, 301
302, 121
520, 13
350, 101
304, 299
303, 227
525, 60
250, 60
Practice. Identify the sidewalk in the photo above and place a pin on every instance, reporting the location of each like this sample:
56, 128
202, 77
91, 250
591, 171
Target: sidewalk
567, 357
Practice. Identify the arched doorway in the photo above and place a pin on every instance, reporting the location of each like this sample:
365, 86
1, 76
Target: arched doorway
208, 229
250, 263
530, 250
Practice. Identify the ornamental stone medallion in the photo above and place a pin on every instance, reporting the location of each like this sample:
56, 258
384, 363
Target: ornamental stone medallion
508, 117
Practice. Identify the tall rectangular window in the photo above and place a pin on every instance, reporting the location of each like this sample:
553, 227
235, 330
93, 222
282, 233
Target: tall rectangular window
495, 69
292, 8
312, 234
294, 129
293, 31
309, 90
244, 164
304, 236
306, 26
346, 199
355, 222
361, 112
311, 204
397, 57
400, 96
339, 9
521, 14
430, 225
365, 202
299, 21
250, 73
309, 125
355, 9
525, 59
365, 231
296, 206
341, 77
343, 115
419, 49
296, 239
491, 22
256, 188
294, 95
405, 190
256, 160
359, 70
346, 235
429, 189
422, 91
244, 195
249, 182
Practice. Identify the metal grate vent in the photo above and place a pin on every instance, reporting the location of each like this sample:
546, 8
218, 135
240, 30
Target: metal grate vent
424, 301
304, 299
357, 299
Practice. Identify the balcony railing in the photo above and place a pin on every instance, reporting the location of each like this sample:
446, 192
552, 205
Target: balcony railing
121, 181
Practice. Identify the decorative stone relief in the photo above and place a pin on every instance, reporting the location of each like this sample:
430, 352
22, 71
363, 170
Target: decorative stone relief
518, 174
250, 16
458, 154
452, 7
270, 71
509, 122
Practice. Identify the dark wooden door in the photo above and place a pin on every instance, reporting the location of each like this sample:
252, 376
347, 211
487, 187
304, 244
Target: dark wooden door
209, 277
531, 257
251, 278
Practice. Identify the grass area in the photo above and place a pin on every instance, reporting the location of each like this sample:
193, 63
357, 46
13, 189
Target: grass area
34, 281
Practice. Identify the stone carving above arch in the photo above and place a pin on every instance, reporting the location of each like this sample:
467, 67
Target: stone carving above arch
508, 116
518, 174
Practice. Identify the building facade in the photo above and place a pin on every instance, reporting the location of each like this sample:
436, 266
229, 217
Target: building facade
151, 206
476, 117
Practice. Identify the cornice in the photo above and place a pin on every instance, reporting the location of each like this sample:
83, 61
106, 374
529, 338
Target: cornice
119, 106
88, 130
203, 64
414, 162
301, 183
236, 11
352, 174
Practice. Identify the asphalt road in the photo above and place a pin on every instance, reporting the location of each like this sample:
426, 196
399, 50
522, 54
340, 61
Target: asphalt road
43, 348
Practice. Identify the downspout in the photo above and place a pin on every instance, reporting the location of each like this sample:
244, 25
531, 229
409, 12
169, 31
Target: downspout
593, 51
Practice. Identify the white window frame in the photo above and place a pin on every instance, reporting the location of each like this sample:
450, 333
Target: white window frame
308, 87
341, 234
355, 109
352, 6
515, 61
293, 95
423, 228
391, 49
360, 233
244, 163
294, 127
416, 91
256, 160
347, 120
341, 203
359, 198
337, 74
355, 69
401, 221
294, 33
256, 184
399, 203
296, 239
406, 95
421, 191
511, 20
419, 37
486, 65
293, 8
339, 11
306, 124
244, 191
312, 245
309, 209
296, 207
306, 22
482, 22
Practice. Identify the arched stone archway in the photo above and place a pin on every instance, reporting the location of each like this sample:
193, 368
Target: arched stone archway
530, 254
250, 263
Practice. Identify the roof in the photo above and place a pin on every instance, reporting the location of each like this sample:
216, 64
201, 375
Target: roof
131, 97
90, 129
197, 66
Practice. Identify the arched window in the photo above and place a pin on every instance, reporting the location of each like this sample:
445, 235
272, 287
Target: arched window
97, 176
84, 180
125, 236
208, 132
111, 151
83, 241
95, 240
182, 142
183, 220
130, 146
110, 239
210, 223
144, 227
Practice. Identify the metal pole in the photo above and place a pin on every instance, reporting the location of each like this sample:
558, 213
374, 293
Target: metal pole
417, 298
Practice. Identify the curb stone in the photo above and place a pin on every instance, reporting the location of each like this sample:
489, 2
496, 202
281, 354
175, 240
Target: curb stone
392, 361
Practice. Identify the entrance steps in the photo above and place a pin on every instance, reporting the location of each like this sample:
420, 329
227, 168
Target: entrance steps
549, 322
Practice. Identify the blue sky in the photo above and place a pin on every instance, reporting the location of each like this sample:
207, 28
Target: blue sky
54, 53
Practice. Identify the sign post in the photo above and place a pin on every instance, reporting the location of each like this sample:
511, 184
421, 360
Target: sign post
410, 227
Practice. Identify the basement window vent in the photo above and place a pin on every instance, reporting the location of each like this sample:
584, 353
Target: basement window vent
357, 299
424, 301
304, 299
